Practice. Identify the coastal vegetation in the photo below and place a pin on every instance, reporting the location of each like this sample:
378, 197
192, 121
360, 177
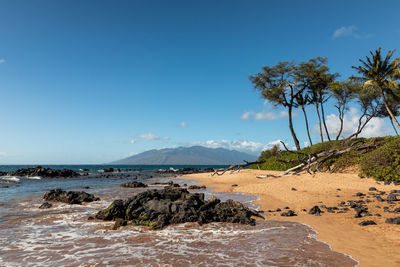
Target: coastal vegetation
375, 92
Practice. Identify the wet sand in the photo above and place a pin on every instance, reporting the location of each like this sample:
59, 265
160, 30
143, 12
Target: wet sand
374, 245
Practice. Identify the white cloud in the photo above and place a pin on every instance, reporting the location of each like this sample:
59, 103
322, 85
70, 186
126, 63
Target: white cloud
150, 136
263, 116
183, 124
2, 60
250, 147
345, 31
133, 141
375, 127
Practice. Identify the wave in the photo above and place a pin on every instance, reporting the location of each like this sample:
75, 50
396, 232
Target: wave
33, 177
10, 178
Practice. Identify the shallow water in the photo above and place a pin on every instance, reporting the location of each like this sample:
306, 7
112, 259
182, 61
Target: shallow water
62, 235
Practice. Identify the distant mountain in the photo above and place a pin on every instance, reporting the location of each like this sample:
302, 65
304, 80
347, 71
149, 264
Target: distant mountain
195, 155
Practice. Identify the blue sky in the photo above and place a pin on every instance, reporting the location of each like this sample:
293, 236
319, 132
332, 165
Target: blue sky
95, 81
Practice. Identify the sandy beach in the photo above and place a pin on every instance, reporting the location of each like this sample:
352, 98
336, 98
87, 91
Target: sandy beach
372, 245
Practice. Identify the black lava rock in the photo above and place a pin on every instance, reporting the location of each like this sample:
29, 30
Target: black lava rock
44, 172
315, 211
159, 208
134, 185
70, 197
289, 213
391, 197
365, 223
197, 187
46, 205
372, 189
395, 220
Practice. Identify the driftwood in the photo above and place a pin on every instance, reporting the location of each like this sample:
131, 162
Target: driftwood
312, 162
236, 167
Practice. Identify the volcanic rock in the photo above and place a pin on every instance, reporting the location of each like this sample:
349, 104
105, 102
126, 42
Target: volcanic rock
134, 185
70, 197
159, 208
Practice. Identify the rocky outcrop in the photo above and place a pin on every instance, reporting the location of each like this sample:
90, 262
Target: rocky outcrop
134, 185
395, 220
70, 197
197, 187
185, 171
171, 205
44, 172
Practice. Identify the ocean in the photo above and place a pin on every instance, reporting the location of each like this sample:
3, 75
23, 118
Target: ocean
63, 235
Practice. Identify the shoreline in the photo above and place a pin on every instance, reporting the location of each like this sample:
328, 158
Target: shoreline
373, 245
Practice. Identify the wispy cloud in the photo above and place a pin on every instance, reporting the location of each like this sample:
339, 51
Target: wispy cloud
247, 146
263, 116
2, 60
183, 124
350, 31
133, 141
345, 31
150, 136
6, 155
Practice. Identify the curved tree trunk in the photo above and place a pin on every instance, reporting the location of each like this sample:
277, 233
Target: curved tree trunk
388, 109
308, 130
323, 120
296, 141
341, 115
319, 121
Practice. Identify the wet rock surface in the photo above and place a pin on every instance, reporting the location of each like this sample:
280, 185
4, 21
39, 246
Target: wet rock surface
171, 205
70, 197
134, 185
185, 171
197, 187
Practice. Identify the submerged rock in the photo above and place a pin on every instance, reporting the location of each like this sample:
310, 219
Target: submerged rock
46, 205
134, 185
197, 187
70, 197
159, 208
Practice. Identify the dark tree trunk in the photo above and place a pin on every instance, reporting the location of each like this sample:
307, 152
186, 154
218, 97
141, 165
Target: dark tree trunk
323, 120
341, 115
296, 141
388, 109
319, 121
308, 130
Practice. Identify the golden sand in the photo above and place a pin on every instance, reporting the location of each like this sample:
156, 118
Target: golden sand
374, 245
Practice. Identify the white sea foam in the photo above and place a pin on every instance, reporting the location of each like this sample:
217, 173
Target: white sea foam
10, 178
33, 177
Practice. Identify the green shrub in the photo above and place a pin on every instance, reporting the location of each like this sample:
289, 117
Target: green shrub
383, 163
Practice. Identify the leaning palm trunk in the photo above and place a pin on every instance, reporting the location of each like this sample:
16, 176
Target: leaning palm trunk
388, 108
308, 130
323, 121
319, 122
296, 141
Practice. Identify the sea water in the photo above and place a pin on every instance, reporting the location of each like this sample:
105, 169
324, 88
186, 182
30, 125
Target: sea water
63, 235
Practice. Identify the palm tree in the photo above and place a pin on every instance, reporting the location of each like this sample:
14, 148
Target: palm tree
381, 73
303, 100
